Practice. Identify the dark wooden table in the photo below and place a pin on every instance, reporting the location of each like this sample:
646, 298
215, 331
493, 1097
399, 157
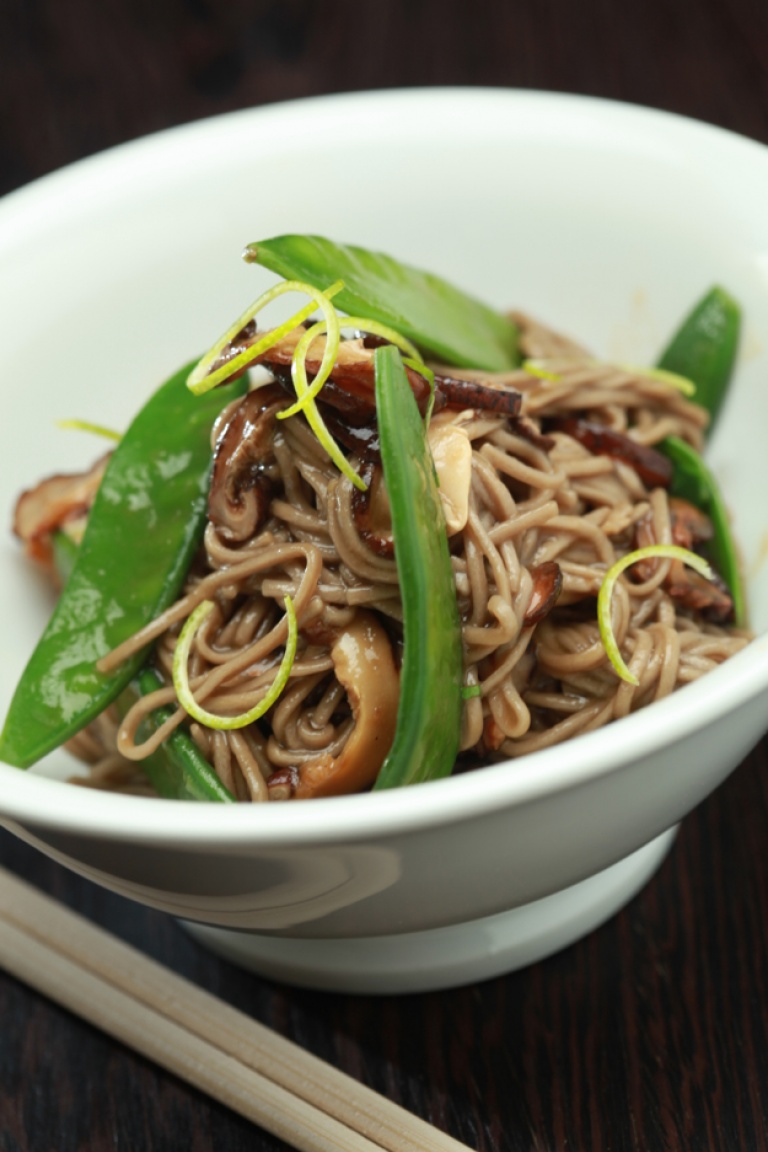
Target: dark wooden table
650, 1034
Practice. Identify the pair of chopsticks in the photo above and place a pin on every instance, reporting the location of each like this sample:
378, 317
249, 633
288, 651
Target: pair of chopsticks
305, 1102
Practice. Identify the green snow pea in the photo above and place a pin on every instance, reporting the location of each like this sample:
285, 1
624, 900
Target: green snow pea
429, 712
177, 770
704, 350
64, 555
143, 530
439, 318
694, 482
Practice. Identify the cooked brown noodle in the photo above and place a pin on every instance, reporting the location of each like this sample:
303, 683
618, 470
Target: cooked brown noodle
535, 501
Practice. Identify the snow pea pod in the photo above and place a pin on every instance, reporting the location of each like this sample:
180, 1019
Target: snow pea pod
64, 555
143, 530
694, 482
177, 770
438, 317
704, 348
429, 712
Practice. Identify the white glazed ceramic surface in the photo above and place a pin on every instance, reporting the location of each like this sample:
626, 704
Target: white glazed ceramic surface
606, 220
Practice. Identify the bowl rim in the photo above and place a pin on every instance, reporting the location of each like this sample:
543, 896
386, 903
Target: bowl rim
39, 801
46, 803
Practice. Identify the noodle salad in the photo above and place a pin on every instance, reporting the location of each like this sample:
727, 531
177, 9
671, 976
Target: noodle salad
399, 535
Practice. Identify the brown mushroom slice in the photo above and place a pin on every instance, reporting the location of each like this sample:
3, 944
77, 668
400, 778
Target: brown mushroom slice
547, 586
360, 438
365, 667
689, 527
653, 469
524, 427
496, 398
349, 388
58, 501
710, 598
451, 451
371, 512
240, 490
244, 339
350, 385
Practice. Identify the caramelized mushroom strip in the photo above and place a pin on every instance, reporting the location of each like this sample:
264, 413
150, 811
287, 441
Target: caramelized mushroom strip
484, 397
709, 597
370, 512
241, 487
350, 386
689, 528
653, 469
364, 666
547, 586
52, 504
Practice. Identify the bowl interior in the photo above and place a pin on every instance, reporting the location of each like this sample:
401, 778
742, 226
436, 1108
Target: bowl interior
604, 220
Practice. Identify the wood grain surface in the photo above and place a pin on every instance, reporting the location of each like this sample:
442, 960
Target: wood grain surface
650, 1034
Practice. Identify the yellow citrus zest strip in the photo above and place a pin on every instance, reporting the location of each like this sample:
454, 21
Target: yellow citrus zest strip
86, 426
374, 328
653, 551
317, 424
536, 368
201, 379
308, 393
301, 384
181, 672
674, 379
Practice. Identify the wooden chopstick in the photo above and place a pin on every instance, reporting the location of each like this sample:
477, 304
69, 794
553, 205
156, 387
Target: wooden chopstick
292, 1119
266, 1078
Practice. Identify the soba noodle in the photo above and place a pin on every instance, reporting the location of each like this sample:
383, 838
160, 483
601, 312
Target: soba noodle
537, 497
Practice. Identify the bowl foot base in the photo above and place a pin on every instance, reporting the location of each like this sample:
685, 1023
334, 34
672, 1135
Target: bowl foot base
443, 957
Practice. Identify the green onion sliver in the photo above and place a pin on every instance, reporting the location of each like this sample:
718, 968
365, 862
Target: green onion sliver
181, 673
374, 328
333, 325
307, 393
653, 551
201, 379
537, 368
86, 426
317, 424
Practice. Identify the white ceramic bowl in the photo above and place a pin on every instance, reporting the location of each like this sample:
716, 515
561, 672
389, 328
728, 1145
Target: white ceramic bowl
604, 219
